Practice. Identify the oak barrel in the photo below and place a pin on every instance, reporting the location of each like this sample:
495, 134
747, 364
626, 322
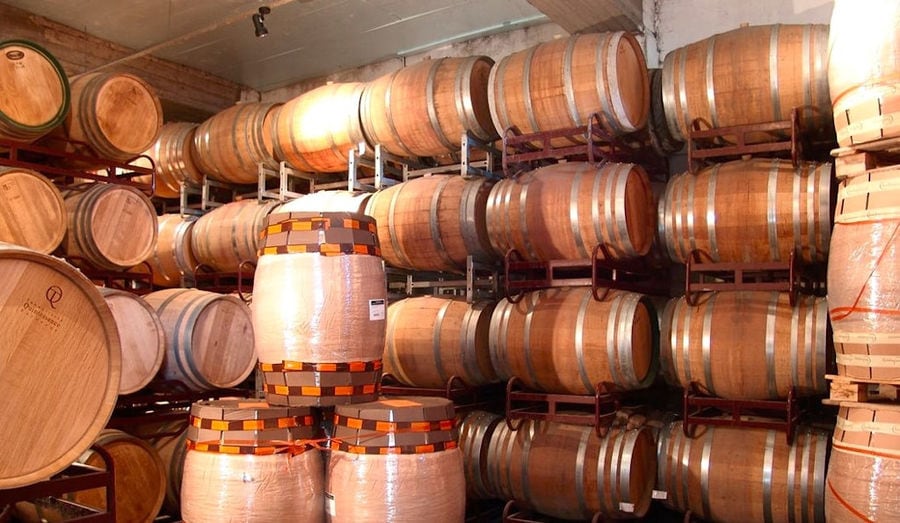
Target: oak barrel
247, 462
231, 144
209, 337
110, 226
320, 296
563, 211
863, 298
756, 210
564, 341
567, 472
228, 236
475, 431
864, 468
432, 223
750, 75
328, 201
431, 339
750, 345
172, 257
424, 109
395, 458
560, 84
61, 365
735, 475
36, 91
32, 212
863, 70
140, 477
315, 131
173, 155
171, 446
118, 116
141, 336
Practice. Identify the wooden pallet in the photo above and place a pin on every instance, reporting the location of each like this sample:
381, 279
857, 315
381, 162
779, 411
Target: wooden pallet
857, 160
842, 388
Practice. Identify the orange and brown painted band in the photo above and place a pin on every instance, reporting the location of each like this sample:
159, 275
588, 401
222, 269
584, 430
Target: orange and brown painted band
352, 366
394, 426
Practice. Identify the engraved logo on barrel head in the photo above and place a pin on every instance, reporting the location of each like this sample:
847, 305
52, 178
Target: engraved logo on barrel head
53, 295
15, 55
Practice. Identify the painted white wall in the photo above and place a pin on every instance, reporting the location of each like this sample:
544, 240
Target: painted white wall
670, 24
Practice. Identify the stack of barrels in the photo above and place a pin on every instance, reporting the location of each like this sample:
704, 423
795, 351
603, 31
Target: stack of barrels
863, 288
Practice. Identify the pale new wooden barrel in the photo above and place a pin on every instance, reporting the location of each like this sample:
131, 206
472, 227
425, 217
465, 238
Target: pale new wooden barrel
736, 475
209, 337
320, 296
230, 145
173, 155
247, 462
751, 345
328, 201
565, 210
387, 471
863, 297
755, 210
431, 339
753, 74
424, 109
315, 131
228, 236
560, 84
117, 114
863, 70
864, 468
563, 340
432, 223
141, 335
475, 430
32, 212
110, 226
172, 256
36, 88
140, 477
61, 365
567, 471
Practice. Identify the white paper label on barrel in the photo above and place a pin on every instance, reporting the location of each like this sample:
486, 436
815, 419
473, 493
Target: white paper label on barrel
376, 310
660, 494
626, 507
329, 504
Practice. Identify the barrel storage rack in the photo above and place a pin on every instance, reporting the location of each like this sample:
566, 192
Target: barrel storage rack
465, 397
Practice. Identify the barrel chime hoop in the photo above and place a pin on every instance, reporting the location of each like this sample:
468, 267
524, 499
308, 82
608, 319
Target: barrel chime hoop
686, 468
682, 91
526, 339
436, 341
704, 474
767, 473
816, 371
568, 83
685, 342
805, 50
611, 338
470, 352
706, 346
601, 480
462, 97
791, 478
624, 349
824, 221
579, 471
623, 468
624, 239
435, 222
497, 103
818, 484
773, 72
620, 123
771, 210
574, 222
523, 221
771, 318
691, 218
526, 91
796, 197
711, 82
711, 213
668, 95
579, 342
432, 108
390, 116
597, 199
795, 334
392, 230
599, 71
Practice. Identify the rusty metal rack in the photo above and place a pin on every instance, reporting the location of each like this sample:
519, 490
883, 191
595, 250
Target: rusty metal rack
207, 279
386, 169
480, 281
135, 282
464, 396
466, 166
598, 410
789, 276
291, 183
601, 272
706, 142
75, 478
698, 408
44, 160
197, 200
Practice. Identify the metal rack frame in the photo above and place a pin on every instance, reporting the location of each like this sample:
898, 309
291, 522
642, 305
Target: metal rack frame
207, 279
479, 276
139, 283
706, 142
541, 406
465, 397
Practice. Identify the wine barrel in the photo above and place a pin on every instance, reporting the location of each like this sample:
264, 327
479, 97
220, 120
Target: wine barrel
109, 226
319, 309
431, 339
432, 223
750, 75
315, 131
567, 472
475, 431
172, 449
246, 463
661, 138
560, 84
864, 468
140, 478
209, 338
750, 345
173, 155
756, 210
32, 212
228, 236
735, 475
61, 365
562, 340
396, 456
328, 201
863, 68
863, 297
563, 211
230, 145
118, 116
36, 91
141, 336
424, 109
172, 257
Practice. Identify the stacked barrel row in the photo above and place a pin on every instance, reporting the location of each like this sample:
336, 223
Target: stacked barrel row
863, 287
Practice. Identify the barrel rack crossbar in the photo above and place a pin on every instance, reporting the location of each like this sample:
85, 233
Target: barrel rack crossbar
597, 410
465, 397
75, 478
479, 281
206, 278
515, 512
135, 282
698, 408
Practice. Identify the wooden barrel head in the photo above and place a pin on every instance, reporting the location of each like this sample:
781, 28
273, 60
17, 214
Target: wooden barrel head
141, 335
32, 212
35, 91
